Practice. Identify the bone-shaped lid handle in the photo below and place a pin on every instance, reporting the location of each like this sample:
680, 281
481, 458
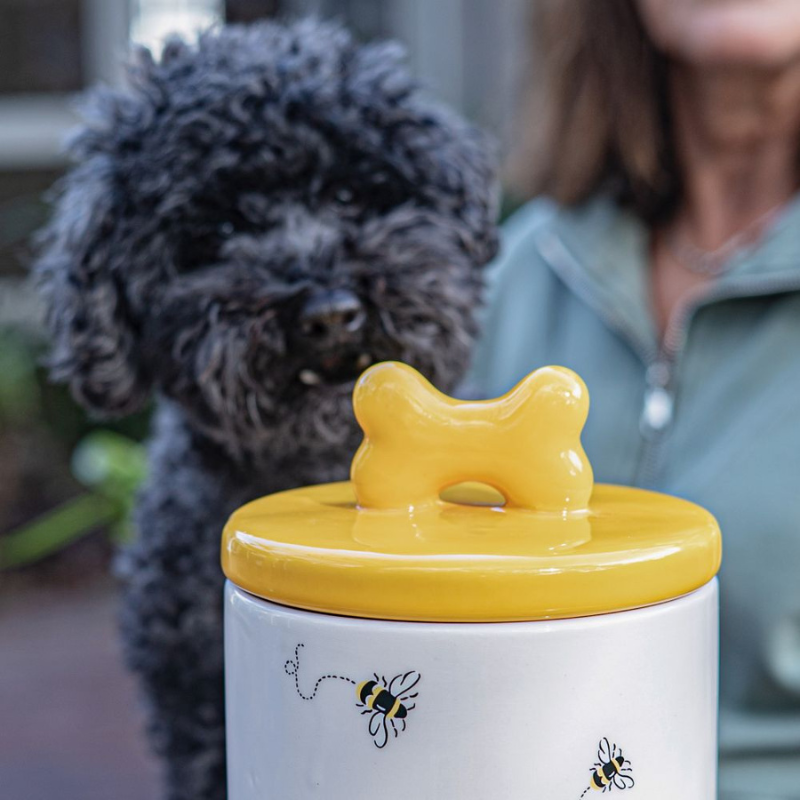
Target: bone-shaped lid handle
418, 441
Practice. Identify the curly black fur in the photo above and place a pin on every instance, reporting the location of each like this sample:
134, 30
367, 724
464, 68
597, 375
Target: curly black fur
252, 221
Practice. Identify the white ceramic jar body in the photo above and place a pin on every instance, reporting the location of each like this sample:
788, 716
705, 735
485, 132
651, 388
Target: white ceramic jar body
511, 711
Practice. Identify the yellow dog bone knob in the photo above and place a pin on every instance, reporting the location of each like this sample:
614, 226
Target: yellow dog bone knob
418, 441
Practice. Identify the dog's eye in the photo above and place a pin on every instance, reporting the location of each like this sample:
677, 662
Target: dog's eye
344, 195
232, 223
376, 194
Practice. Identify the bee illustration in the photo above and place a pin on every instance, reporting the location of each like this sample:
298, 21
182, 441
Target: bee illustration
387, 704
611, 770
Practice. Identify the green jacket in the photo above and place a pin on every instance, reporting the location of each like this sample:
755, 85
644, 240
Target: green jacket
712, 415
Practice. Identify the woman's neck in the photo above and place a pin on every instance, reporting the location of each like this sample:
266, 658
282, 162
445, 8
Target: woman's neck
738, 136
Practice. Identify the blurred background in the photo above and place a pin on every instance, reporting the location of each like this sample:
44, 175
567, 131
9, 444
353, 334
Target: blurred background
70, 724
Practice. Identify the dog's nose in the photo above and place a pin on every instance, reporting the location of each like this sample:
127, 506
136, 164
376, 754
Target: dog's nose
331, 316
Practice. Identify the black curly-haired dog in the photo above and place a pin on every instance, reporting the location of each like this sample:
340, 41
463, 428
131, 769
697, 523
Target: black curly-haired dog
251, 222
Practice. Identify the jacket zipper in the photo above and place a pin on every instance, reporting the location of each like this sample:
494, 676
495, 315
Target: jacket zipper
658, 406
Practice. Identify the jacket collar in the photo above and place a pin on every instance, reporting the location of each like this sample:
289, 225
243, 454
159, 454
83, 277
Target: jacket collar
602, 251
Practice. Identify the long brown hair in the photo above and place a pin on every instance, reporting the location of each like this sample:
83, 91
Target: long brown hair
598, 115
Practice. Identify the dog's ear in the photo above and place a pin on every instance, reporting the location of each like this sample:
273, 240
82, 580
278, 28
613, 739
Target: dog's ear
458, 161
84, 255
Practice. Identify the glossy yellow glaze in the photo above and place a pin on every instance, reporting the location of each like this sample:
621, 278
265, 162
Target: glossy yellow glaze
387, 545
417, 441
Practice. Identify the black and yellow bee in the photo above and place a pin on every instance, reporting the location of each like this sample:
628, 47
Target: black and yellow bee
611, 770
387, 704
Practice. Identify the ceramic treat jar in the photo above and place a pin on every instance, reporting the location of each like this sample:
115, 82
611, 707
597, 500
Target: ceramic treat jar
385, 640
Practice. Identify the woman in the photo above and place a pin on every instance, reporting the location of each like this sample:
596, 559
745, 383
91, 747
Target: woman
664, 266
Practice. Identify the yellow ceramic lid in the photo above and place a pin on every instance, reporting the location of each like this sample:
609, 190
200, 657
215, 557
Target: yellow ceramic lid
407, 538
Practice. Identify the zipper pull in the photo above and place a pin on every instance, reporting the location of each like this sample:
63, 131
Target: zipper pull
659, 404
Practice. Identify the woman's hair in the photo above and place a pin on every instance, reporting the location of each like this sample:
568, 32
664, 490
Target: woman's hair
598, 112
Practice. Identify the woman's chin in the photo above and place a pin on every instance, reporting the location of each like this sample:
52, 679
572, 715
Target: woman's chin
735, 33
746, 34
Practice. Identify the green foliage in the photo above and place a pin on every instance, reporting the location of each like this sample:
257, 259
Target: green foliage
19, 388
112, 467
110, 464
55, 530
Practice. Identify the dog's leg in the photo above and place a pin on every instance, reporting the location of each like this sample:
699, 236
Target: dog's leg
172, 613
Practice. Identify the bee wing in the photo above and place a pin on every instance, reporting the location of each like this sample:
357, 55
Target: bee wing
604, 751
623, 781
378, 730
402, 685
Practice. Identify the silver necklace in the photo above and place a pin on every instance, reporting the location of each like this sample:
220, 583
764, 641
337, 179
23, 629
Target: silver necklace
712, 263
